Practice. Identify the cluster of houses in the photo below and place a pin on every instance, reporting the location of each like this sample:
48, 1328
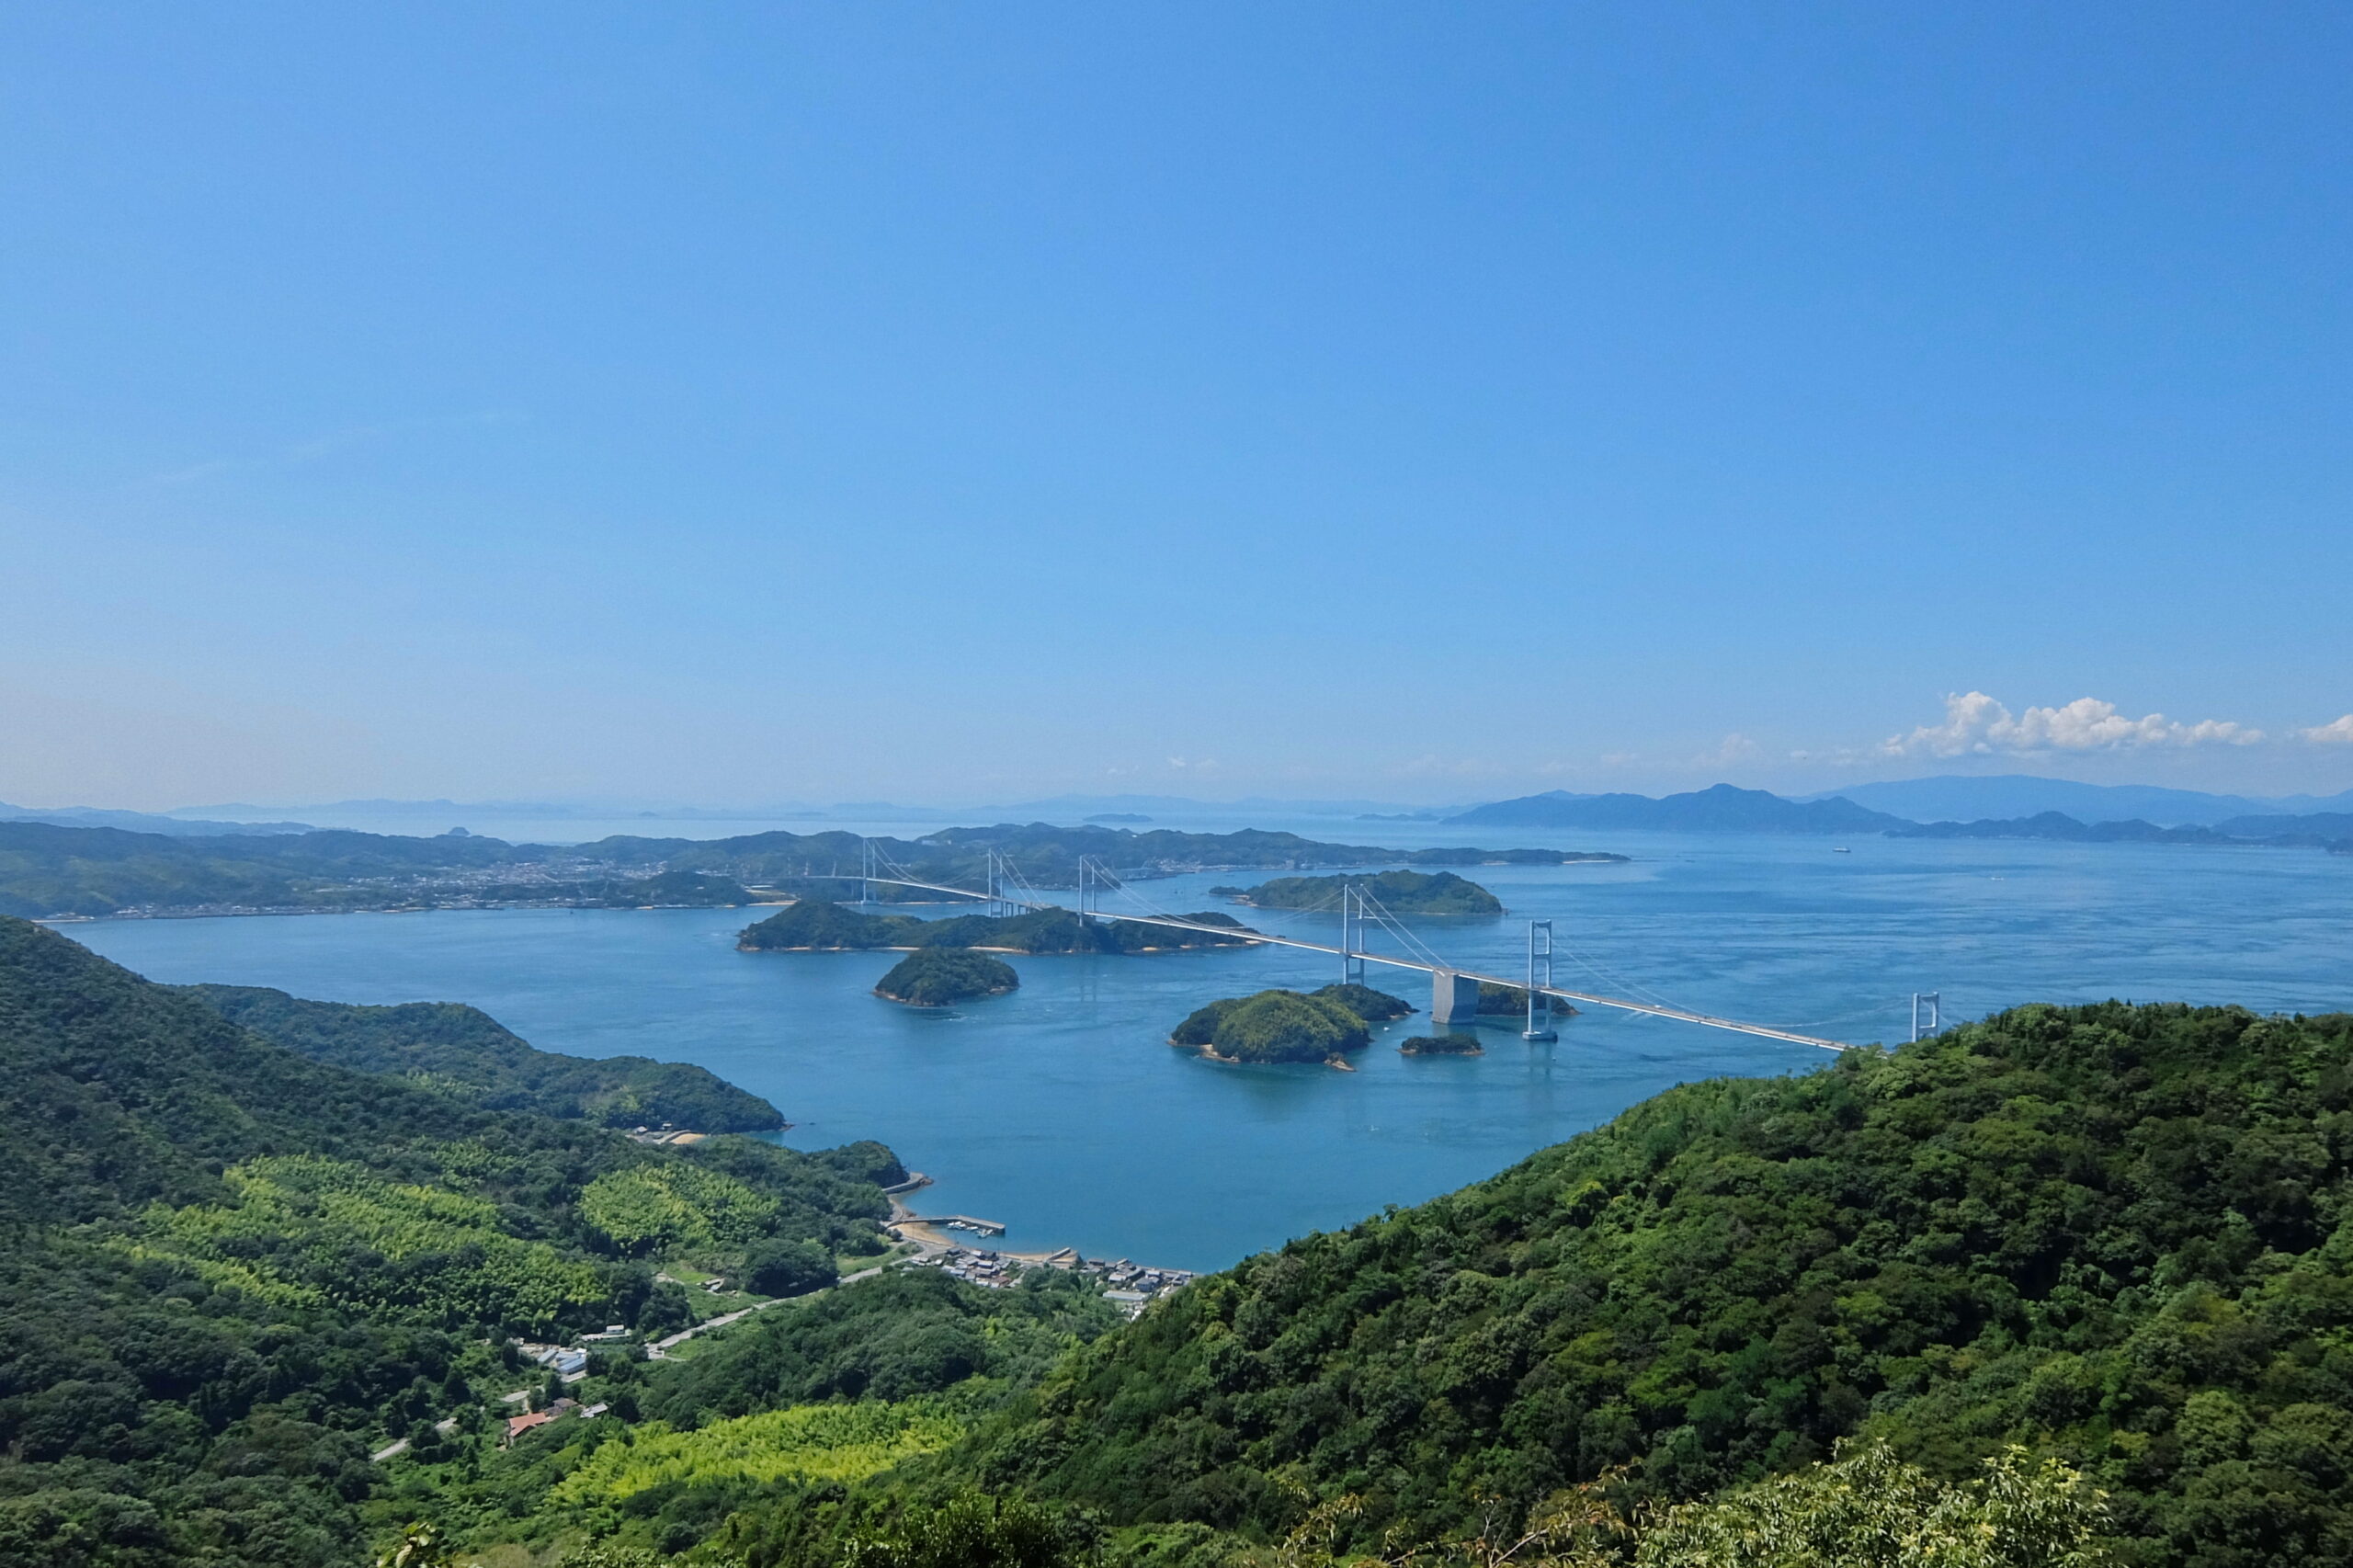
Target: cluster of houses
1129, 1286
666, 1133
569, 1362
993, 1269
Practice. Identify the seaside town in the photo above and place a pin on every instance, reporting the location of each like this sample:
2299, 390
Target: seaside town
1127, 1285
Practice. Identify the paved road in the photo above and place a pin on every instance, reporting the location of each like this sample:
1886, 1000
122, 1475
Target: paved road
661, 1349
395, 1448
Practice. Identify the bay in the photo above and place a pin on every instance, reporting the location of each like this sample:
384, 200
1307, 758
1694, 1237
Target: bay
1061, 1111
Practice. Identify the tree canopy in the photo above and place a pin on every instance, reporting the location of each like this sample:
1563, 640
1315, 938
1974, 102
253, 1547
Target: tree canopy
939, 977
2120, 1235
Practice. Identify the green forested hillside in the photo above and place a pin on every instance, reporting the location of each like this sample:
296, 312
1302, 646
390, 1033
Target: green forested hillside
229, 1273
466, 1053
2121, 1235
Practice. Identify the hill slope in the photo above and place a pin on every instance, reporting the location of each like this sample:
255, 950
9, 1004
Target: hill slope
465, 1053
230, 1272
2121, 1234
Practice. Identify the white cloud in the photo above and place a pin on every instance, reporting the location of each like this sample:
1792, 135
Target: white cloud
1975, 724
2338, 733
1734, 747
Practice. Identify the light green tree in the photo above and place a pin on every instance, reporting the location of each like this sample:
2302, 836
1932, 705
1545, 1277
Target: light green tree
1864, 1509
419, 1546
1869, 1509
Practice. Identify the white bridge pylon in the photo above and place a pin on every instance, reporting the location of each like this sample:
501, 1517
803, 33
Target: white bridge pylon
1444, 977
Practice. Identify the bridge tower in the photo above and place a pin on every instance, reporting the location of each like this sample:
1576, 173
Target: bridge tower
1928, 1007
865, 872
1351, 934
1454, 998
1539, 973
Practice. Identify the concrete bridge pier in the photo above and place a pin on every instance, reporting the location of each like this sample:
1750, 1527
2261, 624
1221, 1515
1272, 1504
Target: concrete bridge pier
1454, 998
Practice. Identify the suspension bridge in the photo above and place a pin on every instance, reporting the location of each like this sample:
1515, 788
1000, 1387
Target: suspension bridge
1454, 990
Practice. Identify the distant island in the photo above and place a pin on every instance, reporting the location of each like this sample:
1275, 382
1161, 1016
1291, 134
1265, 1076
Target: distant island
940, 977
1719, 808
1401, 893
1443, 1045
1286, 1026
2332, 831
811, 925
48, 871
1120, 819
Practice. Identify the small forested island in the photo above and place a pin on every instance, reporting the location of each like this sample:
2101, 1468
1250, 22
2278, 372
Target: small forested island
1286, 1026
1443, 1045
1401, 892
812, 925
940, 977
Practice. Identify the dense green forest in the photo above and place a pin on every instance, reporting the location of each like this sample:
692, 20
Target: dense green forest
940, 977
2115, 1234
232, 1272
47, 869
1274, 1026
465, 1054
1401, 892
813, 925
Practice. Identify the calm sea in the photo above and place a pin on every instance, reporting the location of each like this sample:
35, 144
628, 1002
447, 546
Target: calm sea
1060, 1111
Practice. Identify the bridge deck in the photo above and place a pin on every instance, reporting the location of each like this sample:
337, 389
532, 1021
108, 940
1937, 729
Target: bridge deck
1648, 1009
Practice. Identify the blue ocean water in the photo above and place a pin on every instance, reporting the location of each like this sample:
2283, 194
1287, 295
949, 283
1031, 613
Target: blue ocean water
1060, 1111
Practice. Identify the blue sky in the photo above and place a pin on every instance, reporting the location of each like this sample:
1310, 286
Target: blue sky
943, 402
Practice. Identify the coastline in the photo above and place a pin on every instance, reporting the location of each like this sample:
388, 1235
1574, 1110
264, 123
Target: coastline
933, 1241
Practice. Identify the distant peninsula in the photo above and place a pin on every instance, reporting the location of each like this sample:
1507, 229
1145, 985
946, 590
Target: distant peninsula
1401, 892
468, 1055
1286, 1026
811, 925
48, 871
941, 977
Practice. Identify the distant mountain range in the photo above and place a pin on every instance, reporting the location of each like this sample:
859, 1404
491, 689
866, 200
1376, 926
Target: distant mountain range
2011, 807
144, 822
1954, 798
1058, 808
1722, 808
